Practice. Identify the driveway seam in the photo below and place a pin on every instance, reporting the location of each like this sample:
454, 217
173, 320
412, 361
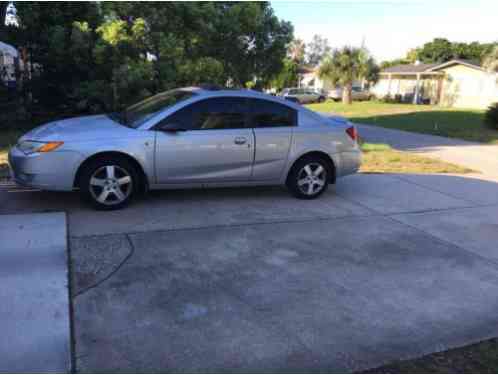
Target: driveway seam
70, 287
236, 225
323, 218
435, 190
113, 272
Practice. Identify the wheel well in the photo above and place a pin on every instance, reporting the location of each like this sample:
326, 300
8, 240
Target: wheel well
321, 155
130, 159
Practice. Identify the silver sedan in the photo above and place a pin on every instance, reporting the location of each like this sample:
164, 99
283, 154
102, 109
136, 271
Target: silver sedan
185, 138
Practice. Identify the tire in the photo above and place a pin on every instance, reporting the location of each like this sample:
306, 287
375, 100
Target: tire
309, 177
109, 183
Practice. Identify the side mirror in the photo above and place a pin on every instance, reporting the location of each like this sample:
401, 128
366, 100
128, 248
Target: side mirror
172, 127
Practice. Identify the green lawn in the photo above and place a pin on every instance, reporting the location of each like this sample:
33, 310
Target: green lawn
447, 122
381, 158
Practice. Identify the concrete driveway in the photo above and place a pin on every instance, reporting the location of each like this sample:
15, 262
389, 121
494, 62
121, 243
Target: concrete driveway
382, 267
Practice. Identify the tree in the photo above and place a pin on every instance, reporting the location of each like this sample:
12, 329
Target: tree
296, 51
388, 63
438, 51
250, 40
346, 65
441, 50
316, 50
287, 77
114, 53
490, 61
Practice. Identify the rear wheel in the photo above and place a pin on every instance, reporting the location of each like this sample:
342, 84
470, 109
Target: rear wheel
309, 177
109, 183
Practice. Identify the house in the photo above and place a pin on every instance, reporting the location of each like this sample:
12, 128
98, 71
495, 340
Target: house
456, 83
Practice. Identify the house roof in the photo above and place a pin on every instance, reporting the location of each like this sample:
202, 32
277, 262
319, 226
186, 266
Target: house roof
428, 68
468, 63
409, 68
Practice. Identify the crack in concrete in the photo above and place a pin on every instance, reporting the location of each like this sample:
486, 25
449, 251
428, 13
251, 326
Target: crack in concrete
113, 272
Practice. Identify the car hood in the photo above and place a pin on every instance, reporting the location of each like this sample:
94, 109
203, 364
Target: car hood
75, 129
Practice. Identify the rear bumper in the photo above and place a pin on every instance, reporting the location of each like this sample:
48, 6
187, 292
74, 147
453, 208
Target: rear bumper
46, 171
350, 162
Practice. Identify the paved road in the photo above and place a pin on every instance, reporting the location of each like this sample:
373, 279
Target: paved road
477, 156
382, 267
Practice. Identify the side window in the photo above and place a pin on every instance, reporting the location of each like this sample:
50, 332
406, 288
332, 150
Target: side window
267, 114
214, 113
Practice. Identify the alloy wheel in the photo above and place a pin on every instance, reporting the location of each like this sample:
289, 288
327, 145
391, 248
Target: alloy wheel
111, 185
311, 178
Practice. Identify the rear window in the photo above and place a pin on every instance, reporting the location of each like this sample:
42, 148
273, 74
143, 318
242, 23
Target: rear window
268, 114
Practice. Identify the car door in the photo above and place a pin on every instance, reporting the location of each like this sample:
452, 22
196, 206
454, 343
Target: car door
273, 124
212, 143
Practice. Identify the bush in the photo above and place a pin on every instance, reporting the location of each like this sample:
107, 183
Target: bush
491, 116
392, 99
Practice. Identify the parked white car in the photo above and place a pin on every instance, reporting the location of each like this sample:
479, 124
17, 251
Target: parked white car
302, 95
357, 94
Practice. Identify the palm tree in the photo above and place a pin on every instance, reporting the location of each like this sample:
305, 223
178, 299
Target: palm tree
296, 51
490, 62
346, 65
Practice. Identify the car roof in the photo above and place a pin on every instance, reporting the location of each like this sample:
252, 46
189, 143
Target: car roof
246, 93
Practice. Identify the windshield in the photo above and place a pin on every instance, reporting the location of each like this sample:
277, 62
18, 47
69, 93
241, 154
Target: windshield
137, 114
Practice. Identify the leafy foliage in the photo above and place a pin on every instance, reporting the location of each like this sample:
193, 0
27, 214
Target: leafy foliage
490, 61
84, 57
316, 50
491, 116
288, 76
440, 50
346, 65
296, 51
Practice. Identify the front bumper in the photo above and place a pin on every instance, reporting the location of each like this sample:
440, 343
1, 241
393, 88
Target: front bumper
47, 171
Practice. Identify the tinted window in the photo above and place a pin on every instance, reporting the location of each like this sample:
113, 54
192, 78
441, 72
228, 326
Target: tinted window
215, 113
267, 114
137, 114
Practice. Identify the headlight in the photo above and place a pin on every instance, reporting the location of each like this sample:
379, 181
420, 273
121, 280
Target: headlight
30, 147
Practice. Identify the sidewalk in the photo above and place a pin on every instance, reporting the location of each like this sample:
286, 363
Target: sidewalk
34, 312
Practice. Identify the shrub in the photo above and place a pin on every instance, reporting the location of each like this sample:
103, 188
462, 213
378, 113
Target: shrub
491, 116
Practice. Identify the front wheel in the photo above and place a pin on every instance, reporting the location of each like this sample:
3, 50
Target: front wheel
309, 178
109, 183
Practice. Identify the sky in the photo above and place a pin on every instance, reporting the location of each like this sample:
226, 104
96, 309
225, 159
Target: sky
391, 28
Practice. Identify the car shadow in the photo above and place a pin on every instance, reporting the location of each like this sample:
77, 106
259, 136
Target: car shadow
474, 189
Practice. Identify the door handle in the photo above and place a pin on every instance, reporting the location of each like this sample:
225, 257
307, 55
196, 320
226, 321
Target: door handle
240, 140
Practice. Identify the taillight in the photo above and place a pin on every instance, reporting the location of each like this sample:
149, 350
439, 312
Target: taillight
353, 133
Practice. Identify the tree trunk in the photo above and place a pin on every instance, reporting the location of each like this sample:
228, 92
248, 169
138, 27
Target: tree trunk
346, 93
